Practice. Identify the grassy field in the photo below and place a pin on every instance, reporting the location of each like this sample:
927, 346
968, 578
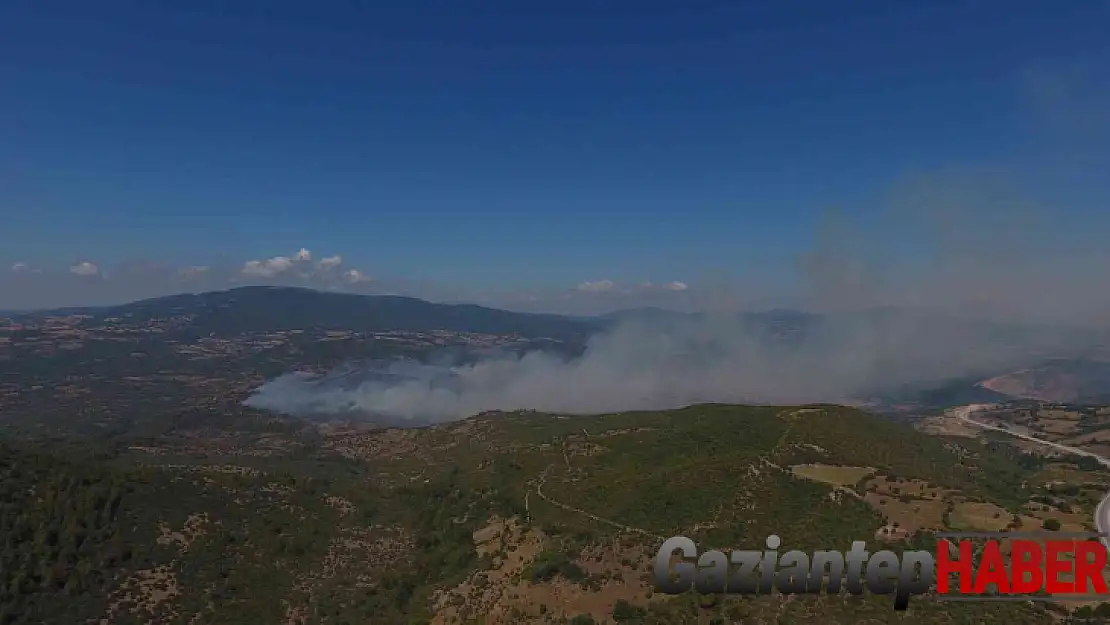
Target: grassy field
832, 474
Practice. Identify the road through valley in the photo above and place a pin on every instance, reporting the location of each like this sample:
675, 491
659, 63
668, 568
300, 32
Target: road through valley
1102, 512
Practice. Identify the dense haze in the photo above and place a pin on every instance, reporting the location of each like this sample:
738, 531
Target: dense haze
992, 284
651, 365
959, 272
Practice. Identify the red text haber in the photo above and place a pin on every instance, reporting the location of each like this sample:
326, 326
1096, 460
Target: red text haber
1031, 567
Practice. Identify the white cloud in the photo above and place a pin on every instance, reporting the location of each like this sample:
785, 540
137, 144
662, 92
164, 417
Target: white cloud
268, 268
299, 267
84, 268
596, 286
330, 262
135, 279
608, 286
354, 276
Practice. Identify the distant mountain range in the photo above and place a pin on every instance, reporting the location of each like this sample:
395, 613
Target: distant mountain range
273, 309
270, 309
257, 309
1023, 368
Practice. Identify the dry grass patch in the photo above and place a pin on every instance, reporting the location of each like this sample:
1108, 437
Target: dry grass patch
832, 474
144, 594
576, 449
196, 526
1101, 449
1063, 473
1057, 414
511, 547
801, 413
379, 444
891, 533
344, 506
1035, 449
504, 594
910, 515
1057, 426
1093, 438
621, 573
1027, 523
980, 516
617, 432
915, 488
947, 426
1069, 521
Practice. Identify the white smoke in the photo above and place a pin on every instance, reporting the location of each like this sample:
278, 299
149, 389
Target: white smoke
952, 249
642, 365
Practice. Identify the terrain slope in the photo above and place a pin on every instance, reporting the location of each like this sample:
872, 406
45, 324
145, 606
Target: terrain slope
502, 518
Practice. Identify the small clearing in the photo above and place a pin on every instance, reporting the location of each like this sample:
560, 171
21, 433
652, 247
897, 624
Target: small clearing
1069, 521
899, 487
908, 515
836, 475
980, 516
1058, 426
947, 426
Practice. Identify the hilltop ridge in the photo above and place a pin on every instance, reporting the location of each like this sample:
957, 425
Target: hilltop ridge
270, 309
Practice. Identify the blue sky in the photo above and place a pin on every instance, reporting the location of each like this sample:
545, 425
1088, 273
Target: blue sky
522, 145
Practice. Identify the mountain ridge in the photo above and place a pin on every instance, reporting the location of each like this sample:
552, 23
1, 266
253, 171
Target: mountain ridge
268, 308
289, 294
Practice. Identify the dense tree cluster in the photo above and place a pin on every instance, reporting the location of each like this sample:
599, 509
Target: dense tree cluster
60, 536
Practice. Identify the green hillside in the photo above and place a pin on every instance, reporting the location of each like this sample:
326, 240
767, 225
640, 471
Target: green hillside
373, 527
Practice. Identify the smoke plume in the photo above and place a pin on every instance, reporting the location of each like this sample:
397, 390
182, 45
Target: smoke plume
977, 297
963, 274
653, 364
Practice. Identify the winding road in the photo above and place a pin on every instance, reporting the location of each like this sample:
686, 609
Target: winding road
569, 508
1102, 512
962, 413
